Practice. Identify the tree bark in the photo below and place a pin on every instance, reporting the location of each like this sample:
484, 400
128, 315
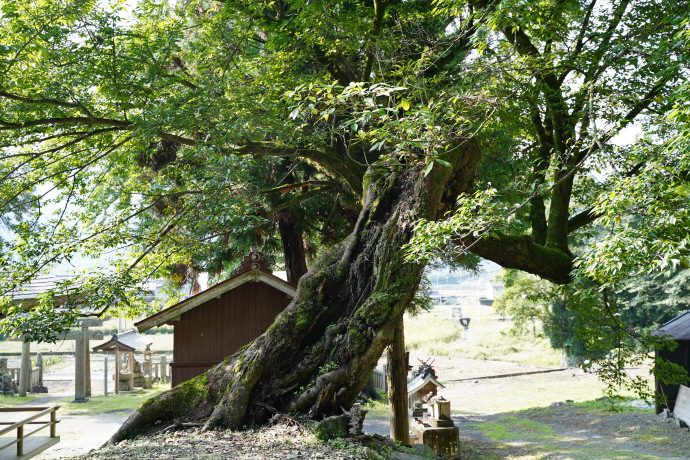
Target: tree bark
293, 246
397, 387
320, 351
523, 253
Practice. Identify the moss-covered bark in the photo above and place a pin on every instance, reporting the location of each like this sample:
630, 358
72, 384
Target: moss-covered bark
523, 253
319, 353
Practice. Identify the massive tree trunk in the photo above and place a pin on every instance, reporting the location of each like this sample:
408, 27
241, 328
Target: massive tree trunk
319, 353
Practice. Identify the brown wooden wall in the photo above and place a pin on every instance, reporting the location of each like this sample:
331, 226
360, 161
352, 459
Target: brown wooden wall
205, 335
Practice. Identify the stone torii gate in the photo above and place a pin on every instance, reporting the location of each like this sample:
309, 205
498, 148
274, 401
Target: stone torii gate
28, 296
82, 358
82, 374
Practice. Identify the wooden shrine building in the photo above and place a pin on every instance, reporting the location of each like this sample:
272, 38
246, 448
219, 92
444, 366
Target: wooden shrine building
125, 343
678, 329
215, 323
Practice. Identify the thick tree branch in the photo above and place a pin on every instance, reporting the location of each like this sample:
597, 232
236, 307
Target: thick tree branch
582, 219
41, 101
7, 126
178, 139
289, 187
522, 253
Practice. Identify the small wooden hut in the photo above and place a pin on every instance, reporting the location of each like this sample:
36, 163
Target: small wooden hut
215, 323
677, 329
125, 342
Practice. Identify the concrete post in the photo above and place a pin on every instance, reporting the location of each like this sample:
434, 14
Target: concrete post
25, 369
39, 365
117, 371
164, 369
130, 367
105, 376
79, 368
87, 360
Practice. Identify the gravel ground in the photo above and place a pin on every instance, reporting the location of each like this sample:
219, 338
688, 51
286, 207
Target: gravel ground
283, 441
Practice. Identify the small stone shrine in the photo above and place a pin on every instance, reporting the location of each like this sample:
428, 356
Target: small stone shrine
128, 372
7, 387
436, 430
38, 387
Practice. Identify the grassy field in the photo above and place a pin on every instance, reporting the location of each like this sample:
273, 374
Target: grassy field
110, 403
431, 333
10, 401
489, 339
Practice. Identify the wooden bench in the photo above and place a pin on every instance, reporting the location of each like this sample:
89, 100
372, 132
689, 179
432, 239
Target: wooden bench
27, 445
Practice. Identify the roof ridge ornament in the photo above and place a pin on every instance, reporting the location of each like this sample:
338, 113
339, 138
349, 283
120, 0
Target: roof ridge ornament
253, 261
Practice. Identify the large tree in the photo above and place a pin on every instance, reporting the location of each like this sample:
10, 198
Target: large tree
149, 125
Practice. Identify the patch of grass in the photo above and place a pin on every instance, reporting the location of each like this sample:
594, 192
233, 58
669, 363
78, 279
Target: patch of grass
649, 438
510, 427
53, 362
111, 403
377, 409
344, 445
433, 334
10, 401
598, 452
611, 405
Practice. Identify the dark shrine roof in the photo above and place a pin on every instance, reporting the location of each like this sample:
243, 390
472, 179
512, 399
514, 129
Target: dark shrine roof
418, 383
678, 328
129, 341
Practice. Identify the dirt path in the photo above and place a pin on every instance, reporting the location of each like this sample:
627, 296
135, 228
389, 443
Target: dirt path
79, 434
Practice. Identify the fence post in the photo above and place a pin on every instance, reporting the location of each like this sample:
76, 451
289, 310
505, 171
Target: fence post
164, 368
87, 359
20, 440
385, 378
53, 422
105, 376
